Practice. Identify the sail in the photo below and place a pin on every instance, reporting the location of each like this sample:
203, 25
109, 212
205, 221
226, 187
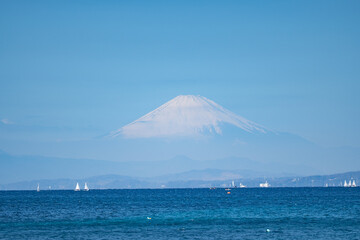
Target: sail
86, 188
233, 184
353, 184
38, 188
345, 184
77, 187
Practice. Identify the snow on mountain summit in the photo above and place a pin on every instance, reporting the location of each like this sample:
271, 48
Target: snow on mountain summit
185, 115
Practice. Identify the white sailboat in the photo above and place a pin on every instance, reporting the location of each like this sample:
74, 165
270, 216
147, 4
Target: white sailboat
345, 184
353, 184
86, 188
232, 184
38, 188
77, 188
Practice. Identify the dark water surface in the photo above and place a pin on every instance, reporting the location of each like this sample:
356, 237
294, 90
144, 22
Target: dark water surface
287, 213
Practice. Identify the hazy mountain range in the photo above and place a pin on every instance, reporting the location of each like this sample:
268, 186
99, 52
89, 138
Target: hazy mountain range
25, 168
189, 135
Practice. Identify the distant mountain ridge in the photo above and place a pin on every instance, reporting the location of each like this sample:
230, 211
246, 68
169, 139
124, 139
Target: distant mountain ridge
25, 168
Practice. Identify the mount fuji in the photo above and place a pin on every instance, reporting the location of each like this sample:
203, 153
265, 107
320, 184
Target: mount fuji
199, 128
187, 116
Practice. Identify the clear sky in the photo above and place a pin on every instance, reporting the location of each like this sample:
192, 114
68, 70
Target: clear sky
80, 69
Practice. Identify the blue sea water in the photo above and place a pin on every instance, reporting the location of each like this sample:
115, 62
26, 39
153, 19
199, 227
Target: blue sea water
273, 213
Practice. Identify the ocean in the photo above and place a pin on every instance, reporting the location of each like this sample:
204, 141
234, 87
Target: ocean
247, 213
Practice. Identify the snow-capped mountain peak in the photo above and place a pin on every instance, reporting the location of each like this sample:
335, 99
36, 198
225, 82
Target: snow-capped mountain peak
185, 115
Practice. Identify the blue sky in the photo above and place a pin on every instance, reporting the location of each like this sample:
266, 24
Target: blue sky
79, 69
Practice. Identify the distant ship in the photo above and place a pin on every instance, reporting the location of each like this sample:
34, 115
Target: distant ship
77, 188
264, 185
38, 188
86, 188
242, 186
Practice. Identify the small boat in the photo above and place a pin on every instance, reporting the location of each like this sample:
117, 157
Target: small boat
233, 184
242, 186
38, 188
86, 188
264, 185
77, 188
227, 189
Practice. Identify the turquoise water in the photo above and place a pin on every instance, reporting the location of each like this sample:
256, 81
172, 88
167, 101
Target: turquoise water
273, 213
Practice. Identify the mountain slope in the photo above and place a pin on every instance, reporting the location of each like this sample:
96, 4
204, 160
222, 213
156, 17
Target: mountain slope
186, 115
